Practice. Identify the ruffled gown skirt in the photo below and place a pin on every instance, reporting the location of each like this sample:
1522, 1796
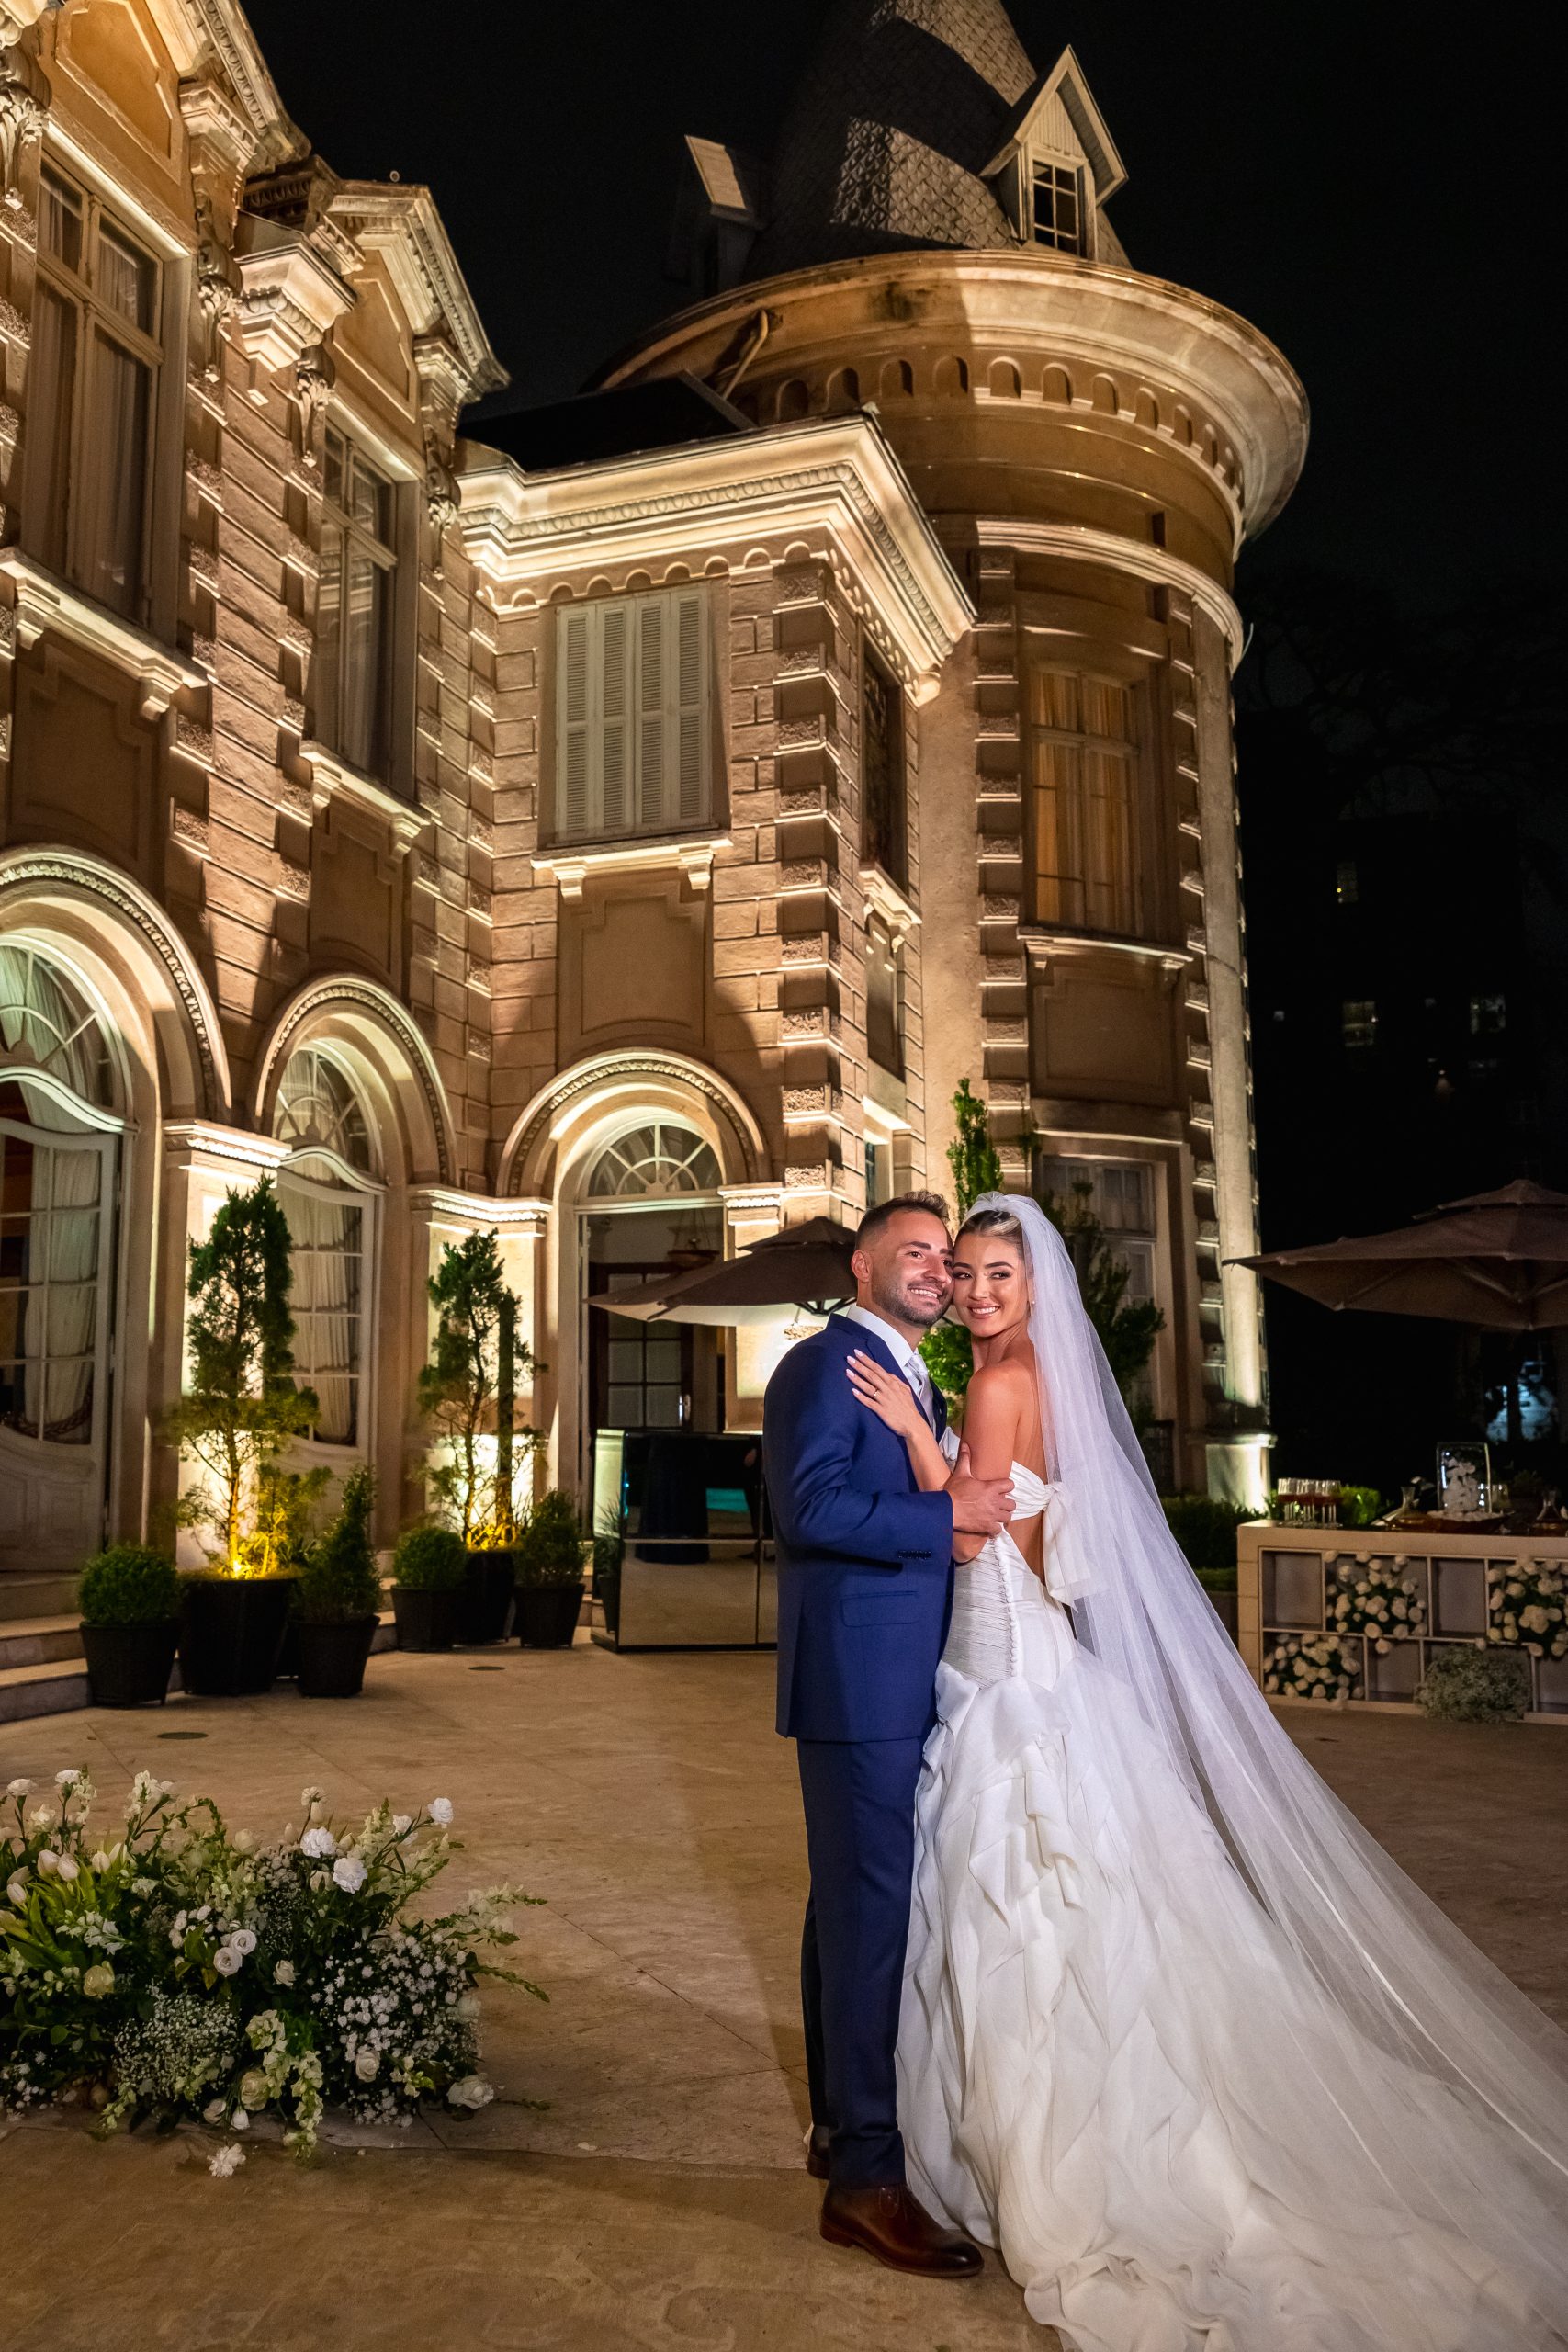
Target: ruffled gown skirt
1106, 2059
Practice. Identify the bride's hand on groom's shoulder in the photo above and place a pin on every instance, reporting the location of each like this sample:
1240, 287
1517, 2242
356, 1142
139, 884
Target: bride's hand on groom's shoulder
980, 1506
888, 1394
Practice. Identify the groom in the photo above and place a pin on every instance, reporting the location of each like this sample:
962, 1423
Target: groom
865, 1589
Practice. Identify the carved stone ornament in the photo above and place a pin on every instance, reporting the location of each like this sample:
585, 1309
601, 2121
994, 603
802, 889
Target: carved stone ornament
23, 92
314, 376
216, 283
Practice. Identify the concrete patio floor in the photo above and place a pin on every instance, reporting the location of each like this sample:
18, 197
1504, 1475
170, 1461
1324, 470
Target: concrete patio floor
659, 2199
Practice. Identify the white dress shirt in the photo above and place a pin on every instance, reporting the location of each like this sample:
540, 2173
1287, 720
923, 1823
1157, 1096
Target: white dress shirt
908, 1359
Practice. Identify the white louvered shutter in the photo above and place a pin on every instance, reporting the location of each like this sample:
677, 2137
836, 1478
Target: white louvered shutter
614, 814
632, 743
574, 780
690, 713
653, 735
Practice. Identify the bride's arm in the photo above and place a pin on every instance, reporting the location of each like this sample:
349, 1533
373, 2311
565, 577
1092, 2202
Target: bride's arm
893, 1400
993, 1410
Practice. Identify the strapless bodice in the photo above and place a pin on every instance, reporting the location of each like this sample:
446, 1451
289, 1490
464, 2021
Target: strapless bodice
1004, 1621
1029, 1494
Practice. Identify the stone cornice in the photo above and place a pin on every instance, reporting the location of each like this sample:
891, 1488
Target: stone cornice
1097, 313
1079, 544
45, 604
404, 224
291, 293
197, 31
833, 480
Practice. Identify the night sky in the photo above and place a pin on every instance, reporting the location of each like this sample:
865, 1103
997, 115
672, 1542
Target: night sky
1370, 195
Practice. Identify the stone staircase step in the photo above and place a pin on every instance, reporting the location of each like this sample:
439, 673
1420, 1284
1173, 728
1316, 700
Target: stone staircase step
23, 1594
52, 1688
42, 1671
39, 1641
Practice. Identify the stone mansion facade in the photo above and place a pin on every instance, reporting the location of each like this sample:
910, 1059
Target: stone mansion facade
622, 825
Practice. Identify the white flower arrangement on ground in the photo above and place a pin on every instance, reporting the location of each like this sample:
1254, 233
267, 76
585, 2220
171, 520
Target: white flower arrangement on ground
1311, 1666
1527, 1607
171, 1967
1371, 1597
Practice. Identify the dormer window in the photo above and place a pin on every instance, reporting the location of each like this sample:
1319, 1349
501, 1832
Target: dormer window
1057, 212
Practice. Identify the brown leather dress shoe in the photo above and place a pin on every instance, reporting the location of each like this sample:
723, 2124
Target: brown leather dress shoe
894, 2227
816, 2141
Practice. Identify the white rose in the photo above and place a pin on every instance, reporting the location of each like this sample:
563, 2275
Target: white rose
43, 1816
366, 2065
98, 1981
244, 1941
227, 1961
284, 1973
213, 2111
471, 2092
441, 1812
320, 1844
349, 1873
252, 2088
465, 2008
402, 1823
18, 1789
243, 1842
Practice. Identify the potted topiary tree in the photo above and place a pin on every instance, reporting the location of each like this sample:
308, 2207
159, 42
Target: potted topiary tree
550, 1573
239, 1415
130, 1600
469, 1393
339, 1598
427, 1583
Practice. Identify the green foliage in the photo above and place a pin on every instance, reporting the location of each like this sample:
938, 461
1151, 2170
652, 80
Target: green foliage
949, 1359
430, 1559
242, 1410
339, 1581
1466, 1686
548, 1549
1205, 1529
458, 1389
129, 1585
972, 1156
1359, 1506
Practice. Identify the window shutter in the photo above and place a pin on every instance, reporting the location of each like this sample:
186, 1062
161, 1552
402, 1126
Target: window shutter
652, 809
574, 772
614, 816
690, 714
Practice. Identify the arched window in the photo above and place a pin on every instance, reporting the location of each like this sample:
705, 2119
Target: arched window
326, 1189
58, 1141
658, 1162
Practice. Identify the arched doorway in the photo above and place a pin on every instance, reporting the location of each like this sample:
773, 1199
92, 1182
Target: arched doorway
331, 1194
651, 1203
62, 1120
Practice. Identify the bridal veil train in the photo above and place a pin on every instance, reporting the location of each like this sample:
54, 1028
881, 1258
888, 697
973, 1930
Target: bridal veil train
1177, 2035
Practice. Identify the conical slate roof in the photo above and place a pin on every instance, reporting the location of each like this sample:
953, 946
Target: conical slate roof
901, 109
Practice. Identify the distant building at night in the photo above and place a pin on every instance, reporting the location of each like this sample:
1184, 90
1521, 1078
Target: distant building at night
626, 824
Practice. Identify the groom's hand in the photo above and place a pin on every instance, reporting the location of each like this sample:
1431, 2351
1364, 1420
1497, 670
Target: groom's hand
980, 1506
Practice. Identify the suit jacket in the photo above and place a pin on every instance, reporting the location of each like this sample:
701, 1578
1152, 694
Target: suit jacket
864, 1559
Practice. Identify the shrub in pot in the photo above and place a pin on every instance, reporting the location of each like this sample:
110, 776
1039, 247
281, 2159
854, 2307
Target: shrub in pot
338, 1599
428, 1569
484, 1603
550, 1573
130, 1600
232, 1630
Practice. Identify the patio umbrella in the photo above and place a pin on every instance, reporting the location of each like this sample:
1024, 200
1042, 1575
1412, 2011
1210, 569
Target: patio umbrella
1497, 1260
806, 1266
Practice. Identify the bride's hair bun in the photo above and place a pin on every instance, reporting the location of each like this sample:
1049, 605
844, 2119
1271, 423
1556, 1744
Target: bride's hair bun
1000, 1222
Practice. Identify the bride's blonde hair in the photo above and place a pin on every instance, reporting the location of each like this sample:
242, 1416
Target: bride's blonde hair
1002, 1223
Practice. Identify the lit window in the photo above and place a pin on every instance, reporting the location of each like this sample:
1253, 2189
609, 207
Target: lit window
1084, 754
883, 821
1059, 208
1346, 882
1359, 1022
657, 1162
632, 754
878, 1171
1121, 1194
352, 671
1488, 1015
92, 396
321, 1115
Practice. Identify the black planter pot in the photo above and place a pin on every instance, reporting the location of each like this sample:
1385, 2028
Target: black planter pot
547, 1615
288, 1655
232, 1634
425, 1621
332, 1658
485, 1599
129, 1665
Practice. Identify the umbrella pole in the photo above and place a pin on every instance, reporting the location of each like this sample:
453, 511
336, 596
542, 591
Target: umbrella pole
1516, 1402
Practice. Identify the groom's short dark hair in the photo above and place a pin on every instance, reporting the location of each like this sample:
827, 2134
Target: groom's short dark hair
872, 1223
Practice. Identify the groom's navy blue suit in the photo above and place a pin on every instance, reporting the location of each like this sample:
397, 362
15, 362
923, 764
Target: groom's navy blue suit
865, 1591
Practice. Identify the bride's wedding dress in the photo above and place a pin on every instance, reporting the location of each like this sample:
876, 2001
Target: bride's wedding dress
1113, 2068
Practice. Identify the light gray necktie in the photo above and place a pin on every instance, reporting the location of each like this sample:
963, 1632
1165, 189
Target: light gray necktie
919, 1380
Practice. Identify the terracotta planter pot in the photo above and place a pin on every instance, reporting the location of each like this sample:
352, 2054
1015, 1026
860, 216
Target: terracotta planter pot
547, 1615
129, 1665
333, 1658
484, 1602
232, 1634
425, 1621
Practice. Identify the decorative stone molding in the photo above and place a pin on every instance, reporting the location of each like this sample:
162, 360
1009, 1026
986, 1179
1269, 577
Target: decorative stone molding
332, 779
45, 604
402, 224
623, 1072
23, 91
833, 481
85, 876
1040, 940
1077, 543
293, 279
236, 1147
886, 900
379, 1005
569, 865
314, 376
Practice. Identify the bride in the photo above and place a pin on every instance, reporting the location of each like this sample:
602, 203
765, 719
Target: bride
1176, 2036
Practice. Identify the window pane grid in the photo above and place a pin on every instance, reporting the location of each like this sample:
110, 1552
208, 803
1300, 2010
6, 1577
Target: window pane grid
1085, 775
353, 609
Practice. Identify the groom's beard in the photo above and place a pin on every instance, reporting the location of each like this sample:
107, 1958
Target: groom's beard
899, 1305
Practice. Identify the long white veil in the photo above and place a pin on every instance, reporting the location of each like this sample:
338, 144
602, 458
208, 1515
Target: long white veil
1383, 1975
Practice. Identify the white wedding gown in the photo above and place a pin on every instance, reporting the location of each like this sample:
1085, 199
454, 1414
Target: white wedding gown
1106, 2054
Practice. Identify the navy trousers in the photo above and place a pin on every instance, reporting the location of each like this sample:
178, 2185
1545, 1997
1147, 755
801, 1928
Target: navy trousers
860, 1838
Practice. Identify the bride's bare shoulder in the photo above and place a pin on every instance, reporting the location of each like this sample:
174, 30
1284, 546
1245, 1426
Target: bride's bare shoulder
1009, 1383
